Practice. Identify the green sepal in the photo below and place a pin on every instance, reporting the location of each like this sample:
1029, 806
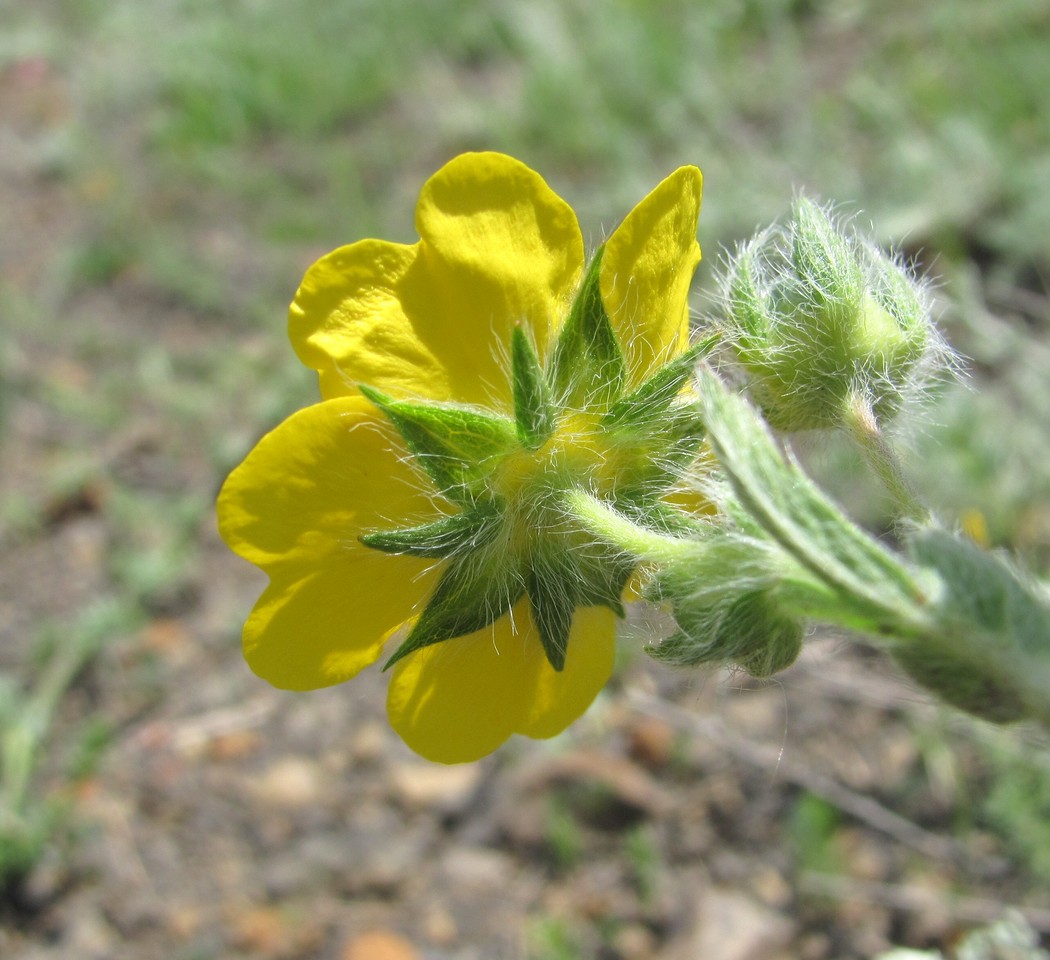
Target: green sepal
552, 602
473, 593
587, 365
823, 257
454, 445
447, 537
606, 588
665, 431
573, 575
533, 411
652, 399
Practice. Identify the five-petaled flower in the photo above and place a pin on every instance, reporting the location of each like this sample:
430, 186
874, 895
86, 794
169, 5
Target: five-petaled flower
468, 381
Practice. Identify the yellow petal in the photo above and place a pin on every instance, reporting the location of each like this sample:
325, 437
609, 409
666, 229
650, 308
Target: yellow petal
498, 247
296, 507
560, 698
646, 272
504, 249
314, 628
316, 482
347, 321
459, 700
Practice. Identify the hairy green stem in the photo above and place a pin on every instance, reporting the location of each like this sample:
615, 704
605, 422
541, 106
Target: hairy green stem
643, 543
863, 428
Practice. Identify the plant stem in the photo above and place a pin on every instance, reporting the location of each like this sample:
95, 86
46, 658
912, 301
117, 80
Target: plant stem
864, 430
602, 520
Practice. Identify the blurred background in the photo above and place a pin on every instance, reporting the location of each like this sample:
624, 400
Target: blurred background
167, 172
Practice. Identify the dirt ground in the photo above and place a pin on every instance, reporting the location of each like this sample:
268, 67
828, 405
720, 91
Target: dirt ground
687, 816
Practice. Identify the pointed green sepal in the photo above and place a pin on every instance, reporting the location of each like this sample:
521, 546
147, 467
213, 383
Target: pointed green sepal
473, 593
652, 399
823, 256
747, 304
448, 537
559, 581
552, 607
662, 451
533, 411
587, 365
454, 445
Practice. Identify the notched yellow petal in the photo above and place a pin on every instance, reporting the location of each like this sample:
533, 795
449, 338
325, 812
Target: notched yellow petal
296, 507
320, 626
318, 480
433, 320
506, 248
647, 270
459, 700
350, 322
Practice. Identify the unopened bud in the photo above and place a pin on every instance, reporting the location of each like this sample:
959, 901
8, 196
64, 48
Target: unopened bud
725, 599
818, 315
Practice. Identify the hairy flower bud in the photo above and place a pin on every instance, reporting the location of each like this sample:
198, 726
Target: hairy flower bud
818, 316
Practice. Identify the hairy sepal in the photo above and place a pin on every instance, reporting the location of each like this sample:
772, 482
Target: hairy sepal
456, 446
645, 405
473, 593
457, 535
534, 412
587, 366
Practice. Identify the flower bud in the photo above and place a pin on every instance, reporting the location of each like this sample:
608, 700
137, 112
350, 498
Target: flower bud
727, 598
751, 631
818, 315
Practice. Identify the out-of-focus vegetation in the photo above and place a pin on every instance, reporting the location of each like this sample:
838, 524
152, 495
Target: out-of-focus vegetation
202, 154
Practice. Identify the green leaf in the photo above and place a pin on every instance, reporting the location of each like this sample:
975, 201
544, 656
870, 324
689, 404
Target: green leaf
960, 621
990, 651
454, 445
532, 401
653, 398
473, 593
797, 515
447, 537
587, 365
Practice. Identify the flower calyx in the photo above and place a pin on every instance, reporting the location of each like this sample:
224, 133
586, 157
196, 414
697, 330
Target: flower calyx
575, 426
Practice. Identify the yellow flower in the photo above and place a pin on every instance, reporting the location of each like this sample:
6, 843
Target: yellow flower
463, 337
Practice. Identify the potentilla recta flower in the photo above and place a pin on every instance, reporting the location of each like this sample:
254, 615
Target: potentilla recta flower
470, 383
